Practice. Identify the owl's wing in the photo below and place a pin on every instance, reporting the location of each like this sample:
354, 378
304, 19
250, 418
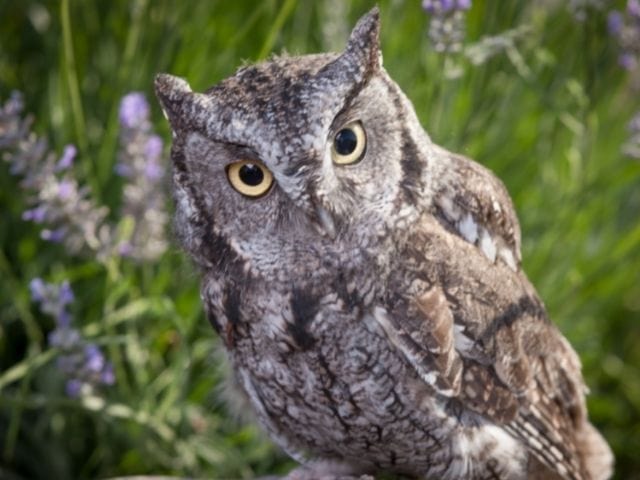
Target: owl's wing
515, 369
474, 328
473, 204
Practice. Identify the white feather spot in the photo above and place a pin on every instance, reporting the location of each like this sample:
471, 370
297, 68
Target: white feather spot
461, 341
429, 378
507, 256
238, 124
450, 210
473, 445
468, 228
184, 202
307, 139
381, 317
487, 245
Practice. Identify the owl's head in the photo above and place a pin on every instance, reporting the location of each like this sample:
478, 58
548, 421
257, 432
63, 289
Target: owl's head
290, 151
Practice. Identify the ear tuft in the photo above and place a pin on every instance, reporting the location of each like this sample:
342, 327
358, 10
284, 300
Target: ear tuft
171, 92
364, 41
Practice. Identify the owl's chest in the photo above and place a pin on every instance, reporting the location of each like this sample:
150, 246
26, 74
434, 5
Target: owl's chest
344, 391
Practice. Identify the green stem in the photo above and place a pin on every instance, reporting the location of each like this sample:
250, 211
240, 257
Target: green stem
109, 140
16, 418
283, 14
72, 76
32, 328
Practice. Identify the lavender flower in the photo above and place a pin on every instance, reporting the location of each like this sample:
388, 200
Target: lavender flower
140, 164
65, 208
134, 111
53, 299
82, 362
625, 28
13, 128
447, 24
67, 158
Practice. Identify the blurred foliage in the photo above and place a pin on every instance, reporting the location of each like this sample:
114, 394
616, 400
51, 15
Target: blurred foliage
547, 113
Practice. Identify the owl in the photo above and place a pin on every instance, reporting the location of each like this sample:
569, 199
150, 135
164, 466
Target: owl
366, 283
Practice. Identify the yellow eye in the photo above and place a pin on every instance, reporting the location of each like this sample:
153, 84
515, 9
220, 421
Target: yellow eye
349, 144
250, 178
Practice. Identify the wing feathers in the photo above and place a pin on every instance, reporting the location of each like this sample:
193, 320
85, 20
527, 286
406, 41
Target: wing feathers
532, 388
474, 204
428, 342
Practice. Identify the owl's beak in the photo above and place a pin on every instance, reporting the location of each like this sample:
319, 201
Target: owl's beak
324, 222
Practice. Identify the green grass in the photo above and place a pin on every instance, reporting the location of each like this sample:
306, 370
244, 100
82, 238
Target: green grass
548, 115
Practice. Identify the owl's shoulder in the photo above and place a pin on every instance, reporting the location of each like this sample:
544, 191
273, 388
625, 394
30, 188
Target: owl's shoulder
473, 203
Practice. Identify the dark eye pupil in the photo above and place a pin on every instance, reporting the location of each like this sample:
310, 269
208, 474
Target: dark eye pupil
345, 141
251, 174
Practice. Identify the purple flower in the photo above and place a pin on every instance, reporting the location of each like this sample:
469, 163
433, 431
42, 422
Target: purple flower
625, 27
65, 338
153, 147
73, 388
94, 358
444, 6
54, 236
65, 208
82, 362
53, 300
63, 319
123, 170
447, 5
107, 376
152, 170
125, 249
447, 23
134, 110
37, 214
633, 8
65, 189
615, 23
66, 294
66, 211
68, 155
140, 164
627, 61
37, 289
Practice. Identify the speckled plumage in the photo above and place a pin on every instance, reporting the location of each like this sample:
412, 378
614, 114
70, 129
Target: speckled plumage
375, 313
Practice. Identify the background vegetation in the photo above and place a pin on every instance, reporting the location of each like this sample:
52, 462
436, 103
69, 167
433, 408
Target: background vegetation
544, 104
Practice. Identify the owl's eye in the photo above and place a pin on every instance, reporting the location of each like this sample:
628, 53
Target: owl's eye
349, 144
250, 178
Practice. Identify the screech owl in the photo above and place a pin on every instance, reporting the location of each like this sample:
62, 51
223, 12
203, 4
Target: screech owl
366, 283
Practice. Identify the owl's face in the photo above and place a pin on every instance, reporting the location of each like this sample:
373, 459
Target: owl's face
291, 152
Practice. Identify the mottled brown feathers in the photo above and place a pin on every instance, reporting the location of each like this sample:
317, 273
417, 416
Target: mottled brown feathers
375, 313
